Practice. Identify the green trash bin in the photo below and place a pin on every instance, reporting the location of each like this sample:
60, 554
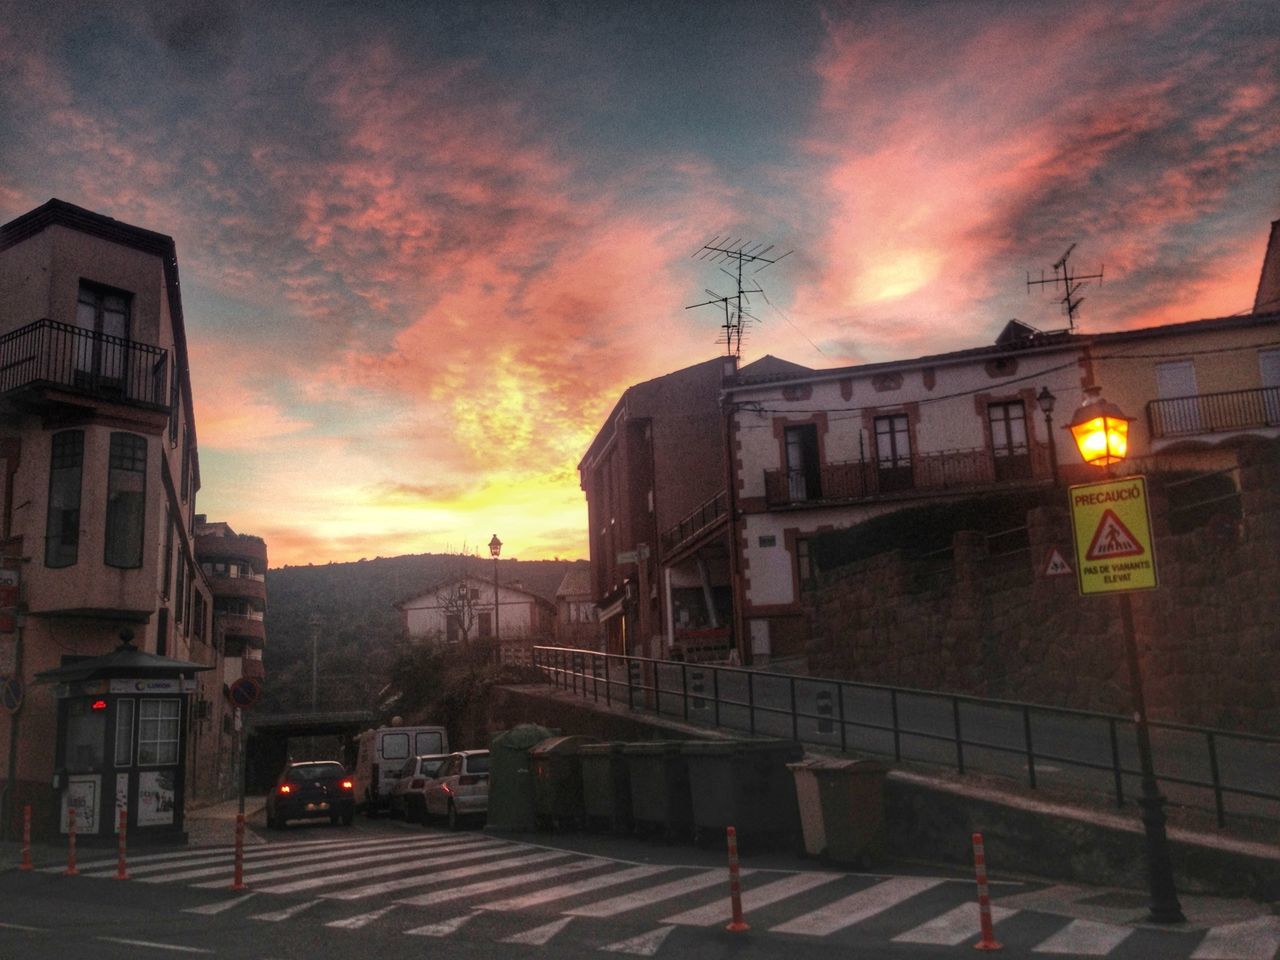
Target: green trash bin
510, 782
842, 809
661, 803
744, 784
606, 787
557, 781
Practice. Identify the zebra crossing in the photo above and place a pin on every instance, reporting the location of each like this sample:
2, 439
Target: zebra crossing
432, 884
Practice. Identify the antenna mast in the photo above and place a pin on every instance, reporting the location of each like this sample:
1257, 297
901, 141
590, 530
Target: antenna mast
1071, 282
741, 252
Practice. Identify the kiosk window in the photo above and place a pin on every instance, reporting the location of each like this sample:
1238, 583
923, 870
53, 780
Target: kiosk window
158, 732
86, 734
124, 733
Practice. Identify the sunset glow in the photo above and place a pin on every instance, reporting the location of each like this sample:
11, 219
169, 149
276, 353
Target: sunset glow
424, 247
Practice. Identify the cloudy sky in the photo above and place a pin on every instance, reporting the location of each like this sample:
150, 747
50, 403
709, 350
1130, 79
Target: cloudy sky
425, 245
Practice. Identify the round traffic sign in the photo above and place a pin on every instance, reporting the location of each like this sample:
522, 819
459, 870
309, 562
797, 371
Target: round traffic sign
11, 694
244, 692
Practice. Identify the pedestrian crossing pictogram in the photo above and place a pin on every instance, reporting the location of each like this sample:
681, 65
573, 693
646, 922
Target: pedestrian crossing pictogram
1113, 540
437, 885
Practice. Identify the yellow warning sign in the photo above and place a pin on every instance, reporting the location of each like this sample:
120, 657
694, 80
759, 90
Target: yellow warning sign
1114, 547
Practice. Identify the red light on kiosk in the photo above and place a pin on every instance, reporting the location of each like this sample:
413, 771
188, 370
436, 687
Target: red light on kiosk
99, 705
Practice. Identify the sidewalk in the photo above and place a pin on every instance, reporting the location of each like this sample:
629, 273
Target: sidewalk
215, 825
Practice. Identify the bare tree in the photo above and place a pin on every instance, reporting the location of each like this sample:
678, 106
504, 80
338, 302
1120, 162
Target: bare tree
459, 607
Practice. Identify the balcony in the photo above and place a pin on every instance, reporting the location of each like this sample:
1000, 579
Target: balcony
867, 479
1214, 413
47, 354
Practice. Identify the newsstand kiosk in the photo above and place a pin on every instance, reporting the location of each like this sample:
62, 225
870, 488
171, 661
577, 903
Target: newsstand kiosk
122, 743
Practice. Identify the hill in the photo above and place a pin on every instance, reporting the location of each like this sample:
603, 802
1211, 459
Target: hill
356, 627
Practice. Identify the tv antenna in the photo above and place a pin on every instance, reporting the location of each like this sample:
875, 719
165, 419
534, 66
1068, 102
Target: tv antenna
741, 253
1071, 283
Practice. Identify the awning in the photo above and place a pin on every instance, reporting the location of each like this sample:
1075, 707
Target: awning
125, 661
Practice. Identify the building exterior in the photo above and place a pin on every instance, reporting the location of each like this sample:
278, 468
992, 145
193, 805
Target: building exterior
462, 610
577, 623
98, 477
235, 566
655, 482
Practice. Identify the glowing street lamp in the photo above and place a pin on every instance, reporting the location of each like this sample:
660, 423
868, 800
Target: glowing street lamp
1100, 430
1101, 433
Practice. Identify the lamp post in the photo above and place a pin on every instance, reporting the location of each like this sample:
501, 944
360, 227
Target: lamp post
1045, 399
495, 548
1101, 433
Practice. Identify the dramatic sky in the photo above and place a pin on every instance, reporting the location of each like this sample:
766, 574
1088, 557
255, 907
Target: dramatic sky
426, 245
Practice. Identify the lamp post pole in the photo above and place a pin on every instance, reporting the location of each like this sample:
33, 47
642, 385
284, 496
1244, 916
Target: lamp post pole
495, 548
1046, 399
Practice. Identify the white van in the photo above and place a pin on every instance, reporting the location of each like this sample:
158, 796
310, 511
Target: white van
382, 754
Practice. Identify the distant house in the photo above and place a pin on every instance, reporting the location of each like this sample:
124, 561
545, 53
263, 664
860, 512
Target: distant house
462, 610
577, 623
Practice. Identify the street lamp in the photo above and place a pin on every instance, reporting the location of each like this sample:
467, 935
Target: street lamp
1046, 401
495, 548
1100, 430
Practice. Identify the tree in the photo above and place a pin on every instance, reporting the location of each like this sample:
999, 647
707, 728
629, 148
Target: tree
459, 607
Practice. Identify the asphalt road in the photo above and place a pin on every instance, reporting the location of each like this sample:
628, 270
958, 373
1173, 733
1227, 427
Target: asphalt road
387, 889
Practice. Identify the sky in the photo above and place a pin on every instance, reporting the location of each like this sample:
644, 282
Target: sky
425, 246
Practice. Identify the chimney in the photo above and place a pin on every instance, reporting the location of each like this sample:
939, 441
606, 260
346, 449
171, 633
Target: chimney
1268, 298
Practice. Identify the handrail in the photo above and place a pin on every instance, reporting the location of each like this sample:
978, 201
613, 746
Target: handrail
648, 690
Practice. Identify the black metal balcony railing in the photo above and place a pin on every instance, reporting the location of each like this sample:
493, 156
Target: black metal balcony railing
1214, 412
947, 469
696, 522
49, 353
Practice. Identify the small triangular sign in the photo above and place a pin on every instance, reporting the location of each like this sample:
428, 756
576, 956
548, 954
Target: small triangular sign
1112, 540
1056, 565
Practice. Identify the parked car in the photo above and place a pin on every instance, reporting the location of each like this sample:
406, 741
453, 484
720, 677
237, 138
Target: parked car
460, 790
406, 796
310, 789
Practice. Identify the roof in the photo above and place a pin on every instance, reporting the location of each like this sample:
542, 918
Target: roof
576, 582
439, 586
125, 661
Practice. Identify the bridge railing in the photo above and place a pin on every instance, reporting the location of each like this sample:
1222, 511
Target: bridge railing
1199, 768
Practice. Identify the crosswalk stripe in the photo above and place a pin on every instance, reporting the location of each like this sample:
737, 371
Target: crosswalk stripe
1084, 938
257, 855
275, 916
645, 945
218, 906
548, 894
442, 929
721, 911
274, 848
1257, 939
362, 919
539, 936
480, 851
294, 862
480, 889
953, 927
857, 907
432, 877
664, 891
400, 861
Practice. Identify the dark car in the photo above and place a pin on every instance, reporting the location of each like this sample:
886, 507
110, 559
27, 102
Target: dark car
311, 789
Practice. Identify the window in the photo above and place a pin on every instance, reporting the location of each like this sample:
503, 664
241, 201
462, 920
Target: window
158, 732
804, 480
83, 748
893, 453
166, 572
186, 464
124, 733
395, 746
62, 525
1176, 388
428, 742
102, 354
182, 589
126, 500
174, 397
1009, 440
486, 624
804, 563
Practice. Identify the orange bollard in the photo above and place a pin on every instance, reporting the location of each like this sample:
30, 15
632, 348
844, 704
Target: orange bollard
237, 882
71, 870
735, 885
122, 869
988, 941
26, 838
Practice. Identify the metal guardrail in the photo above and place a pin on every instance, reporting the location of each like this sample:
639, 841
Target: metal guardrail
1214, 412
1194, 764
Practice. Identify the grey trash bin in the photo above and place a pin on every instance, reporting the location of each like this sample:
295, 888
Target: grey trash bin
842, 809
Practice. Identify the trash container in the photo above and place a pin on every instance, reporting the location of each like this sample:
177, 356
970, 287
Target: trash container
842, 809
557, 781
744, 784
659, 777
606, 787
510, 783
